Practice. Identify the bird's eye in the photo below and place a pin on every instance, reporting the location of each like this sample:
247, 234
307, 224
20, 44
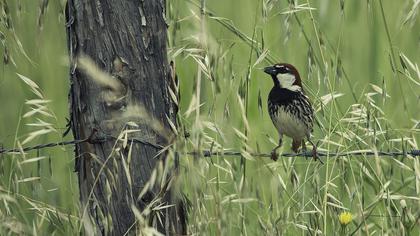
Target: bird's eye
283, 70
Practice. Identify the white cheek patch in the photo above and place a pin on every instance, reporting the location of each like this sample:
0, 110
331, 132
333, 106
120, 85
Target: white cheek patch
286, 81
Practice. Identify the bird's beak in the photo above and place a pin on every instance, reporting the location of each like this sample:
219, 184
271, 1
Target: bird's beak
271, 70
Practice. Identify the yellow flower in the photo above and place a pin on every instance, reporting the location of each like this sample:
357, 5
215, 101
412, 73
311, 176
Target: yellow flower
345, 218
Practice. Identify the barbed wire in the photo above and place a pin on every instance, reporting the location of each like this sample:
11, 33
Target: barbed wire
92, 139
414, 152
209, 153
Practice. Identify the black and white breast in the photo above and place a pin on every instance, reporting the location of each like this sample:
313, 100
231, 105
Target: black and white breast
291, 112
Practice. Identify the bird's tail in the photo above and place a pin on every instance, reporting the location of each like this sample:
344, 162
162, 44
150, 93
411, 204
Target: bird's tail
296, 145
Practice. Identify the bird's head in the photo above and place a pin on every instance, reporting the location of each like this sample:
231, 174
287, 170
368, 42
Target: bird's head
285, 76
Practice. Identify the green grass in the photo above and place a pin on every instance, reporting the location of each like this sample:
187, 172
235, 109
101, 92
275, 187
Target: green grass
358, 61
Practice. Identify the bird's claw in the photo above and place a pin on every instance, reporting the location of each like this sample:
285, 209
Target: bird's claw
274, 156
315, 154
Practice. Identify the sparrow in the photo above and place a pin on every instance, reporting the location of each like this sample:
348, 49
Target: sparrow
290, 109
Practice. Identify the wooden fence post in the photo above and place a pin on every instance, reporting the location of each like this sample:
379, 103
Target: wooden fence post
120, 80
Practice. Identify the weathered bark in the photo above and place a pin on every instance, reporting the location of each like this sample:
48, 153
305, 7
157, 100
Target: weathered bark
127, 40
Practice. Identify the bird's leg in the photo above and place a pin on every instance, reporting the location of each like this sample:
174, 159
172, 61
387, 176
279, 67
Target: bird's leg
274, 155
304, 150
314, 152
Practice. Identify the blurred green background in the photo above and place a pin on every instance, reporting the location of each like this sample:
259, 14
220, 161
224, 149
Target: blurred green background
359, 63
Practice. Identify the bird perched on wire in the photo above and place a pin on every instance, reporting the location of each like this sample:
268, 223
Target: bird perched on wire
289, 108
